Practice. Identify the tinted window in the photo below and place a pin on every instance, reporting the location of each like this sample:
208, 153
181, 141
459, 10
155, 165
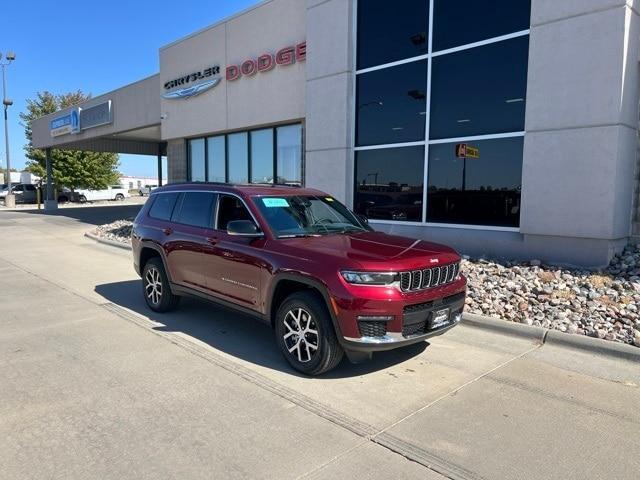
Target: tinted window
196, 209
238, 158
231, 208
289, 149
486, 192
389, 183
196, 160
391, 104
163, 204
262, 156
466, 21
480, 91
30, 188
389, 31
216, 159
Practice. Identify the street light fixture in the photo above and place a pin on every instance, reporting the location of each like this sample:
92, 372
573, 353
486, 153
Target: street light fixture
9, 200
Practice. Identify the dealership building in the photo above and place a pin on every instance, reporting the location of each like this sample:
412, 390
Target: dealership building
505, 128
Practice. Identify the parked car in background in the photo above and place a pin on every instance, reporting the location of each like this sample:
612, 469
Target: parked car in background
24, 192
114, 192
301, 261
146, 190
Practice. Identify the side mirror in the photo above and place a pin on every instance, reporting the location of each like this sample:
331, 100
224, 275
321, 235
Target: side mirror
243, 228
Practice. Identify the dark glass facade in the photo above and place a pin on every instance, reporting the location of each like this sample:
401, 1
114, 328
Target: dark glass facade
452, 116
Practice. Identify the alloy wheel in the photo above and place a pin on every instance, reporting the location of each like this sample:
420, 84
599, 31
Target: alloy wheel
153, 286
301, 338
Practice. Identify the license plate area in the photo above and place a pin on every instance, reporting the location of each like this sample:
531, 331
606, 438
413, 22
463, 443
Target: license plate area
439, 318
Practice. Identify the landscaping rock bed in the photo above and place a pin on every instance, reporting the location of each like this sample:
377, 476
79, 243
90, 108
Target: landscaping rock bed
604, 304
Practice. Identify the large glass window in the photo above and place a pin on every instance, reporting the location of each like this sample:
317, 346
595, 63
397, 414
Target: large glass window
238, 158
391, 104
480, 91
216, 162
196, 160
389, 183
289, 164
262, 156
481, 186
456, 95
389, 31
461, 22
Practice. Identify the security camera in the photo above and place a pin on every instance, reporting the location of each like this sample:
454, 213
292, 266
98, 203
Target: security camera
163, 116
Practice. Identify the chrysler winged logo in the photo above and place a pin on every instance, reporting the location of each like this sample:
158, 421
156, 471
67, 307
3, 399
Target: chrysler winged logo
191, 90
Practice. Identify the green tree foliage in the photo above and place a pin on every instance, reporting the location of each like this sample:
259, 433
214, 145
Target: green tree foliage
71, 168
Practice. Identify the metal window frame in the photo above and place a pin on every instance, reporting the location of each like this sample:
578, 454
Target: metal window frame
273, 127
426, 142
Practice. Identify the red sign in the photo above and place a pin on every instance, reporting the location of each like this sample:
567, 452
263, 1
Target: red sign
268, 61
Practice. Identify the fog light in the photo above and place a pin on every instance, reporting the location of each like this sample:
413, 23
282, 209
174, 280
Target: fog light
375, 318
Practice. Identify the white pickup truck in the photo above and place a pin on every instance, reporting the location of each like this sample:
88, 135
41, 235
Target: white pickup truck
114, 192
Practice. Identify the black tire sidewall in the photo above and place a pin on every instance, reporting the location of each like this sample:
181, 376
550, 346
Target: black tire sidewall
167, 300
311, 304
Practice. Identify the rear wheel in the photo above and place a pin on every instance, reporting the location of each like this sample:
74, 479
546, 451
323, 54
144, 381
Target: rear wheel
155, 287
119, 197
305, 334
82, 199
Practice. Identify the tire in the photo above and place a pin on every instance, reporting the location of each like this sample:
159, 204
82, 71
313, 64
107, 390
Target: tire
308, 308
120, 197
82, 199
63, 199
159, 298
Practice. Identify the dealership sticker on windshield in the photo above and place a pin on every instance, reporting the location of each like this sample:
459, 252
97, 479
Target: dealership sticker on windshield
275, 202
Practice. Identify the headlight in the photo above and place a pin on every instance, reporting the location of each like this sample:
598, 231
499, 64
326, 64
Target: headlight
370, 278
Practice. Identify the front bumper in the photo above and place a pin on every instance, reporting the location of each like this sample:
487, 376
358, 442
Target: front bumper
411, 318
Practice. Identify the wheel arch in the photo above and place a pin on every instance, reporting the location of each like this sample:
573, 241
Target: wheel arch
150, 250
285, 284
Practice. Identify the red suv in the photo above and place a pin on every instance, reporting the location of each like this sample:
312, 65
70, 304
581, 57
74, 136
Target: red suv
300, 260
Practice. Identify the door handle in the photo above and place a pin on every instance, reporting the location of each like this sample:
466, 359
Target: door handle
167, 231
212, 240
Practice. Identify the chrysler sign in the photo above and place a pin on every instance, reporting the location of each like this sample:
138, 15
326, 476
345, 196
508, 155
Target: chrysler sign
191, 83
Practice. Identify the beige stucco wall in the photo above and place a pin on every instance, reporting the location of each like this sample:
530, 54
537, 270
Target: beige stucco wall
270, 97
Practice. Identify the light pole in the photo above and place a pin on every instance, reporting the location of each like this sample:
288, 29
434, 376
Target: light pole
9, 200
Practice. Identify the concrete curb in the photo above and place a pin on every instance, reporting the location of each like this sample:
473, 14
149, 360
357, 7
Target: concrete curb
545, 336
105, 241
536, 334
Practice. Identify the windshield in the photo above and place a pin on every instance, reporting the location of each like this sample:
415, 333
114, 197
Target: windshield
307, 215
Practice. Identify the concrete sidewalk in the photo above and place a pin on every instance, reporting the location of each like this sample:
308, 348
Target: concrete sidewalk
94, 385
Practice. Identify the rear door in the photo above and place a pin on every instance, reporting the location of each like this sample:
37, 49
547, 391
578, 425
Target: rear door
185, 238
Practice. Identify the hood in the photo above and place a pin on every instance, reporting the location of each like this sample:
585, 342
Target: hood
371, 251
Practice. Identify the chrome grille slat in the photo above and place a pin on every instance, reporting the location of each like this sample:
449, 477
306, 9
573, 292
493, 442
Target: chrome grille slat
415, 280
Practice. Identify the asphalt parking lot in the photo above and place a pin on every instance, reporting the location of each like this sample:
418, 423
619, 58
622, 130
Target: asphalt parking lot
94, 385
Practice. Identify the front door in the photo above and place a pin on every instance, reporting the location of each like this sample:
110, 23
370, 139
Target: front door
233, 264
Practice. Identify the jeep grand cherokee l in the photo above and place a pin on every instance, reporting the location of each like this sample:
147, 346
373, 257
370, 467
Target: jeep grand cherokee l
301, 261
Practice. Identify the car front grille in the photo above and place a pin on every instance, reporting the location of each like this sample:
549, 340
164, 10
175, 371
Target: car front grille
414, 329
372, 329
429, 277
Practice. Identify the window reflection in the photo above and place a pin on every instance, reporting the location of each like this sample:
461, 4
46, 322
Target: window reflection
480, 91
389, 183
238, 158
481, 191
196, 156
216, 159
388, 31
391, 104
290, 154
460, 22
262, 156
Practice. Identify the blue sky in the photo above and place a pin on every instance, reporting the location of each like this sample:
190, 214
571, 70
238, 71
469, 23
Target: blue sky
95, 46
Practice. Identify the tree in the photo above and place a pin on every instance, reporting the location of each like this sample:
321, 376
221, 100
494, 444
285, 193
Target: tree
71, 168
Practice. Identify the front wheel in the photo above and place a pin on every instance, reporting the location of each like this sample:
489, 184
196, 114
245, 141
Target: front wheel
82, 199
155, 287
305, 334
120, 197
